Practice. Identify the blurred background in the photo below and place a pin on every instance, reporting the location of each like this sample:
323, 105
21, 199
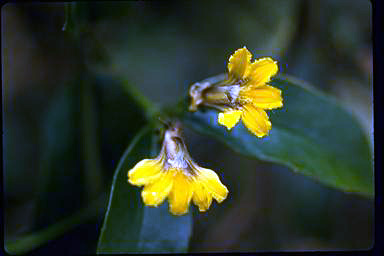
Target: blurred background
67, 117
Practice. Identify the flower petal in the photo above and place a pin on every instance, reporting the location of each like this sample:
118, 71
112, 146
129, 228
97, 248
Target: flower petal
256, 120
265, 96
212, 184
229, 118
260, 71
144, 172
201, 197
154, 194
181, 193
239, 62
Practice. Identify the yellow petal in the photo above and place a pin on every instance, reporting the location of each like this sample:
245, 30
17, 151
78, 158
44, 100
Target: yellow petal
181, 193
212, 184
154, 194
229, 118
265, 96
261, 71
145, 172
256, 120
201, 197
239, 62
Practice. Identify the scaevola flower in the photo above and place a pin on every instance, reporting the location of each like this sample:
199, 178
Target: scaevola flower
174, 175
244, 95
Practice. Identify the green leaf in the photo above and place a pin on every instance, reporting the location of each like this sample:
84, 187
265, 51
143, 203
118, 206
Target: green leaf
163, 232
312, 134
131, 227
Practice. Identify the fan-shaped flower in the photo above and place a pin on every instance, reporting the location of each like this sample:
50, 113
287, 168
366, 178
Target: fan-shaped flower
175, 175
243, 95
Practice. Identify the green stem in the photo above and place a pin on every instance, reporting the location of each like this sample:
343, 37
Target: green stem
30, 242
151, 111
70, 18
175, 111
75, 19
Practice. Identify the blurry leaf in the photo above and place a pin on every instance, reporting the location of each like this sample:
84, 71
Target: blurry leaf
64, 130
91, 154
128, 225
311, 134
18, 143
118, 118
60, 178
270, 34
35, 240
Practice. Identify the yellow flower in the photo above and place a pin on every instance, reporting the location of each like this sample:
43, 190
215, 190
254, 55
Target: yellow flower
175, 175
245, 94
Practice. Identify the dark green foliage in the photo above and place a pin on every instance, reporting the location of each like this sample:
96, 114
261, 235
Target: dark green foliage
311, 134
60, 178
128, 225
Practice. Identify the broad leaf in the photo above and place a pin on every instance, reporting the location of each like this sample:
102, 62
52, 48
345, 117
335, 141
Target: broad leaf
311, 134
163, 232
131, 227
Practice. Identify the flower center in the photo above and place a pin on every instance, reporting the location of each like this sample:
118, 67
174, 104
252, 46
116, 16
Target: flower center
233, 93
177, 161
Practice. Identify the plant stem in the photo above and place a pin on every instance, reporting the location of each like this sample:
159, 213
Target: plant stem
30, 242
151, 111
